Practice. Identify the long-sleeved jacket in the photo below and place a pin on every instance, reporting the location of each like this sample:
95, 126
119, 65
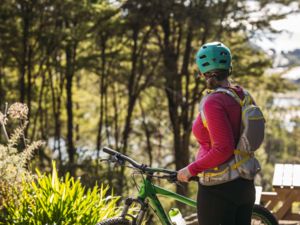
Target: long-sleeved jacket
218, 139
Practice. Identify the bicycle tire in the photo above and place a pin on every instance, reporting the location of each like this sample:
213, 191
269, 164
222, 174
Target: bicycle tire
262, 216
115, 221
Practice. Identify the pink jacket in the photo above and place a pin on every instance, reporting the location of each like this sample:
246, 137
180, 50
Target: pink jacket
218, 140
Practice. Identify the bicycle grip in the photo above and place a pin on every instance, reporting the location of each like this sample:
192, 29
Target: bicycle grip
110, 151
173, 177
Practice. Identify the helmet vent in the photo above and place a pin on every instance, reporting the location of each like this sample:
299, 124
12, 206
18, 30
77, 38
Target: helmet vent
223, 53
202, 56
222, 61
205, 64
204, 47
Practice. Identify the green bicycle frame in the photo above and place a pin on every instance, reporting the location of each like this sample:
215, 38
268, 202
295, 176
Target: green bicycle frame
150, 191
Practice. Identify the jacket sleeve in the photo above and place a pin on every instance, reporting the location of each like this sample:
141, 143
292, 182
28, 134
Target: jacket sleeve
221, 137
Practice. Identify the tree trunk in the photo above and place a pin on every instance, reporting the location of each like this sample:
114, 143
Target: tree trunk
56, 94
40, 109
132, 85
29, 81
23, 64
102, 87
77, 108
173, 93
70, 57
2, 91
177, 87
116, 116
147, 133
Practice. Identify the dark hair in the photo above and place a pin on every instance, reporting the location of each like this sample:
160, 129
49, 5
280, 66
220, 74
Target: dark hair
219, 74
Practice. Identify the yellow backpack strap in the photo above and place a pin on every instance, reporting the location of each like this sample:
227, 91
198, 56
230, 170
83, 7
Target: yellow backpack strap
243, 153
231, 93
245, 157
201, 110
213, 174
248, 100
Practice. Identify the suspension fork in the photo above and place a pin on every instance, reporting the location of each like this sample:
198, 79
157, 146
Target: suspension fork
143, 208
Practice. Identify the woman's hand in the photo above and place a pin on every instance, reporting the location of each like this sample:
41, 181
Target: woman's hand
184, 175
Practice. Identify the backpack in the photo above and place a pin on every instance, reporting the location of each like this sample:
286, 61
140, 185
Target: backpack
243, 163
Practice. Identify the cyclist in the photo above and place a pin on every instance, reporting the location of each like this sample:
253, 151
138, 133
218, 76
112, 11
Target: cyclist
229, 201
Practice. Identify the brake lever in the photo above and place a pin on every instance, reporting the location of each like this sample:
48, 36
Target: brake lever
114, 159
172, 178
194, 178
117, 160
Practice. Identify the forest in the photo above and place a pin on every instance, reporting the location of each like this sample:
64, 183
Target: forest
122, 74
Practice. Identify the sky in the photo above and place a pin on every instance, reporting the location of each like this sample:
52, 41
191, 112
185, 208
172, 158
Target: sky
288, 41
289, 37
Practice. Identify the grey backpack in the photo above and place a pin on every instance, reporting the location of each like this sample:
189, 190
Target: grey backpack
243, 164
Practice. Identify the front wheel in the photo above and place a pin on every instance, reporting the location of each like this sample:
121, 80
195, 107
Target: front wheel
115, 221
262, 216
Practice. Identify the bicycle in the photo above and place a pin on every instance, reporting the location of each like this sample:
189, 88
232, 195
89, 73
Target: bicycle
147, 196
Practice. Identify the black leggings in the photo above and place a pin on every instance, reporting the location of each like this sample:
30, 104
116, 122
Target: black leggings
226, 204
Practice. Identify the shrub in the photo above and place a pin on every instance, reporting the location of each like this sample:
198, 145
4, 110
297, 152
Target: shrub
15, 152
51, 200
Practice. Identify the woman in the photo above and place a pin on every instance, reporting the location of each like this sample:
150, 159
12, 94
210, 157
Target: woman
230, 201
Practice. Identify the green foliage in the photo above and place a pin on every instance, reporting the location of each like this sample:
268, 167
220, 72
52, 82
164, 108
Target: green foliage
51, 200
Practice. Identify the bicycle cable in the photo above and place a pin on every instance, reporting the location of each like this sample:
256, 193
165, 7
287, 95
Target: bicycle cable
134, 179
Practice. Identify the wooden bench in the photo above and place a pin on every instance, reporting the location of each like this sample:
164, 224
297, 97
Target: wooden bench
286, 184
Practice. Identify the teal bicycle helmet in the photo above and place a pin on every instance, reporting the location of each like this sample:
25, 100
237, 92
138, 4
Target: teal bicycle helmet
213, 56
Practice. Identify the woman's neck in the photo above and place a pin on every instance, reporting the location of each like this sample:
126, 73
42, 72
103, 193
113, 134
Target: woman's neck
225, 83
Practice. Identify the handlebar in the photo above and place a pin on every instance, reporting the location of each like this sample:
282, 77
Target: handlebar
172, 175
135, 164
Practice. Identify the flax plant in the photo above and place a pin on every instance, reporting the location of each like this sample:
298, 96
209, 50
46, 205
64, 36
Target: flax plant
51, 200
